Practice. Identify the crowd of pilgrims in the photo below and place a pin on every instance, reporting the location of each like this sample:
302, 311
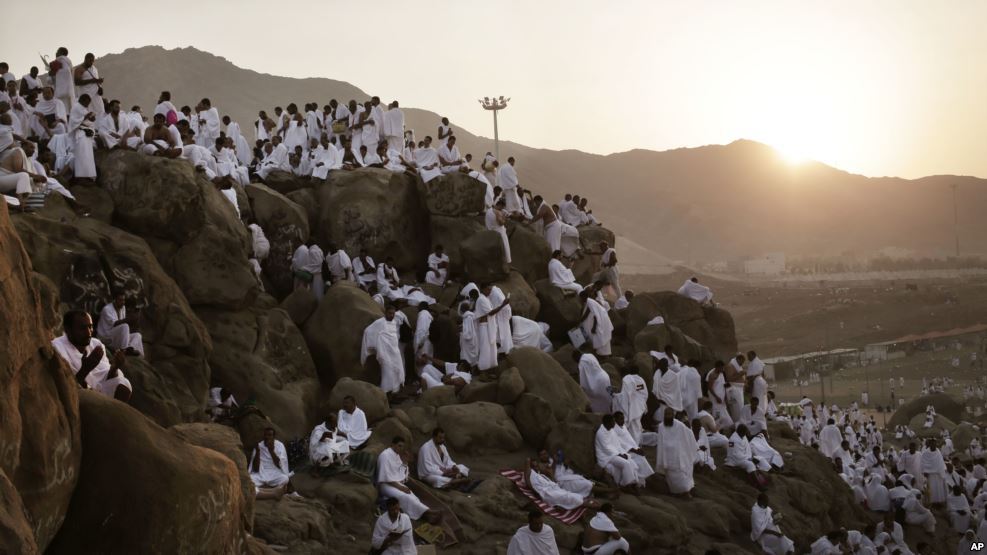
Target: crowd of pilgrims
49, 125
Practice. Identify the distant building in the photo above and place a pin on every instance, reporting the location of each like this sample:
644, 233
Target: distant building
822, 362
772, 263
958, 338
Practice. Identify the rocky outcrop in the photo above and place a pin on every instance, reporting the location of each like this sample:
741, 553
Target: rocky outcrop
560, 312
478, 428
709, 326
545, 378
944, 404
453, 194
484, 258
286, 226
190, 497
524, 300
530, 252
334, 333
40, 442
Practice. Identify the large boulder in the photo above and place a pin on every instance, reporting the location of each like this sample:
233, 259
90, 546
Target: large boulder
40, 444
286, 226
370, 398
190, 497
451, 233
453, 194
484, 257
226, 441
287, 182
575, 436
335, 331
299, 305
560, 312
191, 227
478, 428
530, 252
544, 377
87, 260
943, 403
376, 209
260, 354
524, 301
710, 326
534, 418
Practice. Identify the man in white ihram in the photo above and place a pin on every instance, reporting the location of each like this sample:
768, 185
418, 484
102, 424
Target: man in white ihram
699, 293
352, 424
595, 382
676, 454
114, 327
765, 531
537, 538
269, 463
381, 339
393, 532
612, 457
507, 180
326, 446
87, 359
436, 468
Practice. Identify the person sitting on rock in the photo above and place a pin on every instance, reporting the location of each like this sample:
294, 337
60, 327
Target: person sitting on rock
624, 301
365, 270
456, 375
601, 537
536, 538
326, 446
221, 403
699, 293
438, 267
87, 358
833, 542
752, 415
352, 424
436, 468
269, 464
612, 457
763, 451
114, 327
539, 478
739, 455
765, 531
393, 533
561, 276
392, 475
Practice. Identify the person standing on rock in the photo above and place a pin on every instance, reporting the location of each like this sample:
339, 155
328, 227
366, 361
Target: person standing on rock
269, 464
87, 359
632, 400
676, 454
487, 330
765, 531
537, 538
314, 268
716, 385
393, 532
736, 381
382, 339
507, 180
87, 81
114, 327
596, 324
496, 220
594, 381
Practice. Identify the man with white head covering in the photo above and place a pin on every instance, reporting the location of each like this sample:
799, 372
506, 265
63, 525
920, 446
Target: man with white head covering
601, 536
676, 454
595, 382
632, 400
830, 439
666, 387
765, 531
64, 80
438, 267
326, 446
596, 324
495, 219
209, 124
352, 424
536, 538
699, 293
382, 339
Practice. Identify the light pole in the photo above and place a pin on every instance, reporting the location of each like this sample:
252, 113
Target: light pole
495, 105
956, 221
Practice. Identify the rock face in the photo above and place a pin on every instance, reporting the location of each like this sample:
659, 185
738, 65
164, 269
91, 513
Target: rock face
286, 226
560, 312
451, 233
453, 194
483, 257
335, 331
545, 378
88, 260
40, 443
530, 252
378, 210
370, 398
945, 406
478, 428
712, 327
524, 301
190, 497
655, 338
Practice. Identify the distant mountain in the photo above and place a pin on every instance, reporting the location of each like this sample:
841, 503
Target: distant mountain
706, 203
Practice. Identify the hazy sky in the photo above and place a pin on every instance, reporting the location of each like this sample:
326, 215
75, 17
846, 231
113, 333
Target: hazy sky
889, 87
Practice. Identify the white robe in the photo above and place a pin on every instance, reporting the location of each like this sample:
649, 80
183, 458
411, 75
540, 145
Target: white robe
261, 246
268, 474
490, 221
505, 339
529, 333
676, 454
934, 470
433, 460
598, 316
608, 450
390, 468
449, 156
117, 337
97, 378
602, 522
423, 345
762, 519
324, 452
508, 181
359, 267
65, 82
469, 344
208, 131
381, 338
384, 527
393, 128
82, 149
763, 451
552, 493
427, 161
830, 439
436, 275
695, 291
596, 383
691, 383
340, 266
739, 453
667, 389
562, 277
632, 400
354, 426
526, 542
486, 333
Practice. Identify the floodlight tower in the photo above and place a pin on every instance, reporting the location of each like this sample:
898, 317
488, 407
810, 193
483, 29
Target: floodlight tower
495, 105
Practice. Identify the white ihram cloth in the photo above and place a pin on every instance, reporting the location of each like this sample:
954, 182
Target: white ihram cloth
393, 128
552, 493
934, 470
436, 275
65, 82
704, 457
959, 512
423, 345
240, 144
667, 389
627, 443
596, 383
448, 156
433, 460
597, 315
552, 231
381, 339
571, 481
505, 339
529, 333
692, 390
490, 220
720, 412
117, 337
365, 270
277, 159
208, 131
324, 452
486, 333
739, 453
384, 527
508, 182
340, 266
527, 542
676, 455
603, 523
755, 368
763, 451
695, 291
354, 426
268, 474
107, 127
96, 379
469, 339
85, 162
51, 185
427, 161
763, 520
390, 468
608, 450
562, 277
261, 246
632, 400
830, 439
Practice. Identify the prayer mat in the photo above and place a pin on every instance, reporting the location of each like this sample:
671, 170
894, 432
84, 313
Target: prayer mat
363, 464
570, 516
